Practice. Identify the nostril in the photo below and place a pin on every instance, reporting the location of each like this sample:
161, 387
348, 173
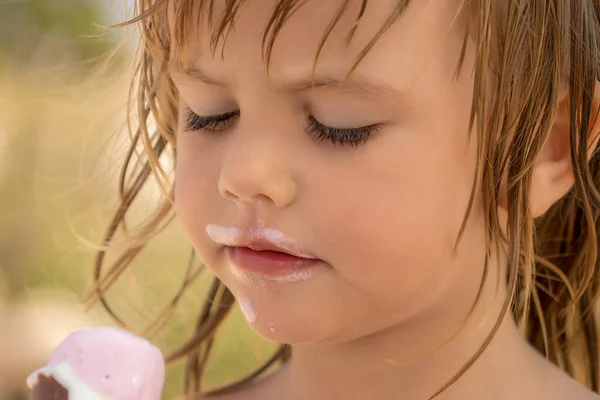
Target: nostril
226, 192
230, 195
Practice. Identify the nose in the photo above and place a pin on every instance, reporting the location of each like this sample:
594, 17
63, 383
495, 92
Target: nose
258, 168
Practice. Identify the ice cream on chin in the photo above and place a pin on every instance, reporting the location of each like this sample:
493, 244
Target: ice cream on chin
100, 364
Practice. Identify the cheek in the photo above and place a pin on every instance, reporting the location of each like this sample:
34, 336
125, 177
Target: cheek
407, 205
196, 190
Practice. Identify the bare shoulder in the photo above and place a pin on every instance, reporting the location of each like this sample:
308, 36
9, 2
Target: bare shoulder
563, 387
227, 396
265, 388
273, 386
580, 393
247, 392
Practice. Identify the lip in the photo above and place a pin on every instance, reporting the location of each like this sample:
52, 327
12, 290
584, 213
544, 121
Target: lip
258, 239
271, 265
265, 254
260, 244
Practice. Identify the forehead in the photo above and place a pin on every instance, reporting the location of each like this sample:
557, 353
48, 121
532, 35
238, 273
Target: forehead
411, 31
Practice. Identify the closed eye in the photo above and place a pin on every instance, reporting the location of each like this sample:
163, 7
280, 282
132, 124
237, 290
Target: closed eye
340, 136
321, 132
213, 123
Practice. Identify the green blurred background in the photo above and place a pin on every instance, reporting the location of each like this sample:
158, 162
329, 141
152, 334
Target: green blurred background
62, 141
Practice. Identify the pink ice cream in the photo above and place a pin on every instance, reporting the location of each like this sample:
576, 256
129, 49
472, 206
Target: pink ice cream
105, 364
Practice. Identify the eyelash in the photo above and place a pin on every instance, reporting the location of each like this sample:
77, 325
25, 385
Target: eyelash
338, 136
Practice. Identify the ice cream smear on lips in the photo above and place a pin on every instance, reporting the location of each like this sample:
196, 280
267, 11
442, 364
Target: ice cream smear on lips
100, 364
231, 236
264, 254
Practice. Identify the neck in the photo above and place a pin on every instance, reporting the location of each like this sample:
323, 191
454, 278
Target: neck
410, 359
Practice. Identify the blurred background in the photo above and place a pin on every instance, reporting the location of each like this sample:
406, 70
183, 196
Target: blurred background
62, 141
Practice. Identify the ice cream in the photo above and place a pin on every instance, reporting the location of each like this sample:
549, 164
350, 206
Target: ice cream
100, 364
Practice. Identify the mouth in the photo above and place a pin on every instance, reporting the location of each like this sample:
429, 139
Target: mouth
265, 254
287, 247
271, 265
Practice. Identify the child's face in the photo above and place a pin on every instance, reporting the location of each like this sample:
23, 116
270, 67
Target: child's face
383, 215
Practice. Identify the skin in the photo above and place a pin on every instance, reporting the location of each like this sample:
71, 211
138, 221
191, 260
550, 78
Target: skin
383, 216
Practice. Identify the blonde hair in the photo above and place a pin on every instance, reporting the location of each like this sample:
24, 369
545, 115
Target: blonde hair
528, 50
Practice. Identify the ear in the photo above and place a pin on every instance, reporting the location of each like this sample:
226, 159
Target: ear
552, 174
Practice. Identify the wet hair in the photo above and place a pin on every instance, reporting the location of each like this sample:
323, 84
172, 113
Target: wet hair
530, 54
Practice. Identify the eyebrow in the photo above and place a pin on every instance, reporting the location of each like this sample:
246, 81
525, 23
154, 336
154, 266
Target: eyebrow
357, 84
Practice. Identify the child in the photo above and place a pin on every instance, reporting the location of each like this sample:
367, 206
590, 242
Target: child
403, 193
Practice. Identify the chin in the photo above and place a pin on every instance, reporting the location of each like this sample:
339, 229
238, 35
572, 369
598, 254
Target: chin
294, 332
302, 312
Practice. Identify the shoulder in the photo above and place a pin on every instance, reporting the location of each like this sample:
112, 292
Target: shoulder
225, 396
563, 387
243, 393
258, 389
273, 386
581, 394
